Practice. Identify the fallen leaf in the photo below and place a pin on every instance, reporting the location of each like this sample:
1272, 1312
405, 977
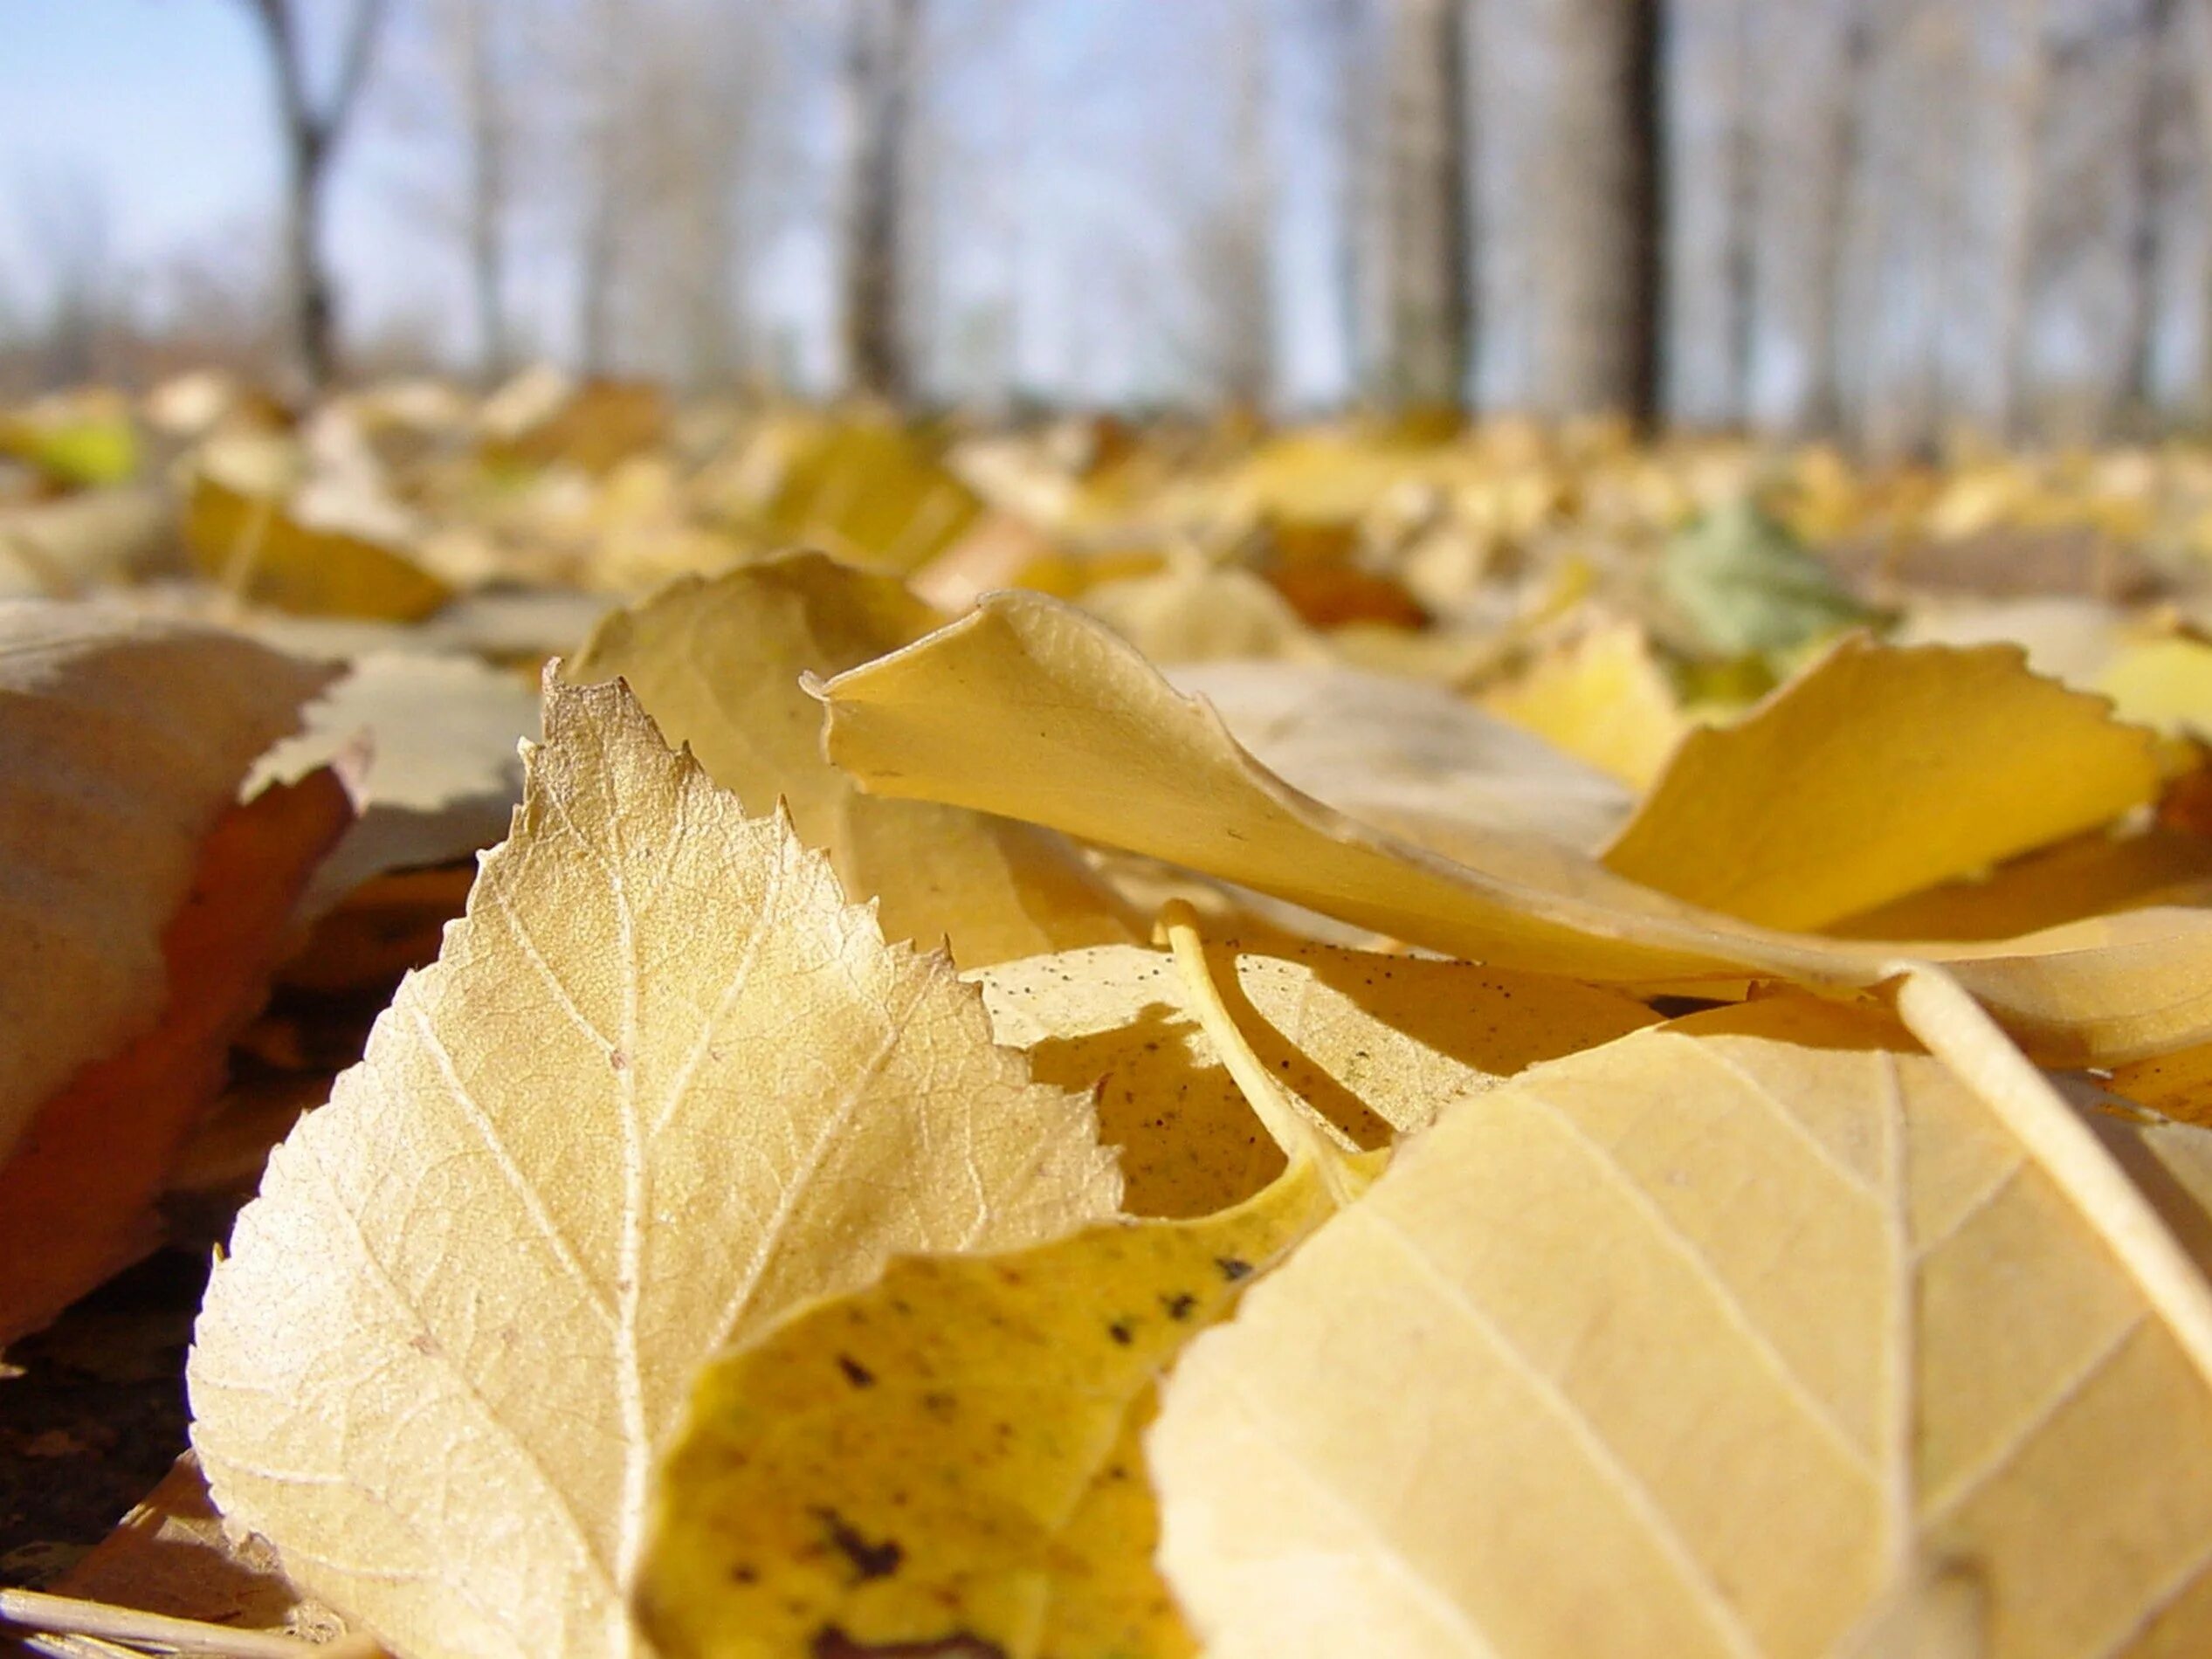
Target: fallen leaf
171, 1555
1875, 773
1025, 707
1331, 594
1373, 1043
868, 489
440, 775
2068, 637
1730, 1329
947, 1461
906, 1464
58, 549
1746, 588
1409, 758
2162, 681
663, 1084
2179, 1084
258, 550
85, 441
1194, 612
76, 1194
594, 427
121, 741
717, 665
2070, 881
1601, 696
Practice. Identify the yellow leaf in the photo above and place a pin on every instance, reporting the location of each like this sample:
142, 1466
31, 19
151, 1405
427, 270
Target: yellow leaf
86, 441
431, 742
595, 427
2179, 1084
1194, 613
1406, 757
1877, 772
717, 665
1373, 1043
1601, 697
867, 490
1720, 1339
121, 742
663, 1084
950, 1458
2068, 882
1025, 707
2162, 682
254, 547
946, 1455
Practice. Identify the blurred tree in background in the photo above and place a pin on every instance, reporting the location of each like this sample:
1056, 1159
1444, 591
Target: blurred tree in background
1885, 219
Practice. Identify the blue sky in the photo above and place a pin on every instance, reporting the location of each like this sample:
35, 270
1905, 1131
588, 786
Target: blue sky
161, 103
161, 109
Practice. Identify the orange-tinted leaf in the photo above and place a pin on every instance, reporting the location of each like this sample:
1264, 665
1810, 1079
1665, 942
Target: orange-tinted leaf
76, 1200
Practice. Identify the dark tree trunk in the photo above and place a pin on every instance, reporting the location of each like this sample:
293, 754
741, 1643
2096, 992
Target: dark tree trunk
1427, 309
880, 74
312, 134
1597, 260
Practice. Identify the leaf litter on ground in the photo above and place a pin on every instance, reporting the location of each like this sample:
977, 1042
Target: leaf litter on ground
413, 1373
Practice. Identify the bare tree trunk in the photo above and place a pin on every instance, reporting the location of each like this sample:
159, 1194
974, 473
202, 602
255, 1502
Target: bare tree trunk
489, 134
2197, 36
881, 49
1427, 308
66, 231
1741, 267
1340, 42
311, 132
1595, 255
1836, 187
606, 180
2027, 97
1248, 302
2147, 241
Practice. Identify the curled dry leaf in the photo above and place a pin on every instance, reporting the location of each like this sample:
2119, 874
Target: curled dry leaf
1731, 1332
1374, 1043
121, 742
1878, 773
1025, 707
663, 1083
717, 665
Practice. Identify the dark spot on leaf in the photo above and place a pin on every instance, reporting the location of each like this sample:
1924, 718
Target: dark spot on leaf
1179, 1305
1233, 1268
856, 1374
1120, 1332
868, 1560
744, 1573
